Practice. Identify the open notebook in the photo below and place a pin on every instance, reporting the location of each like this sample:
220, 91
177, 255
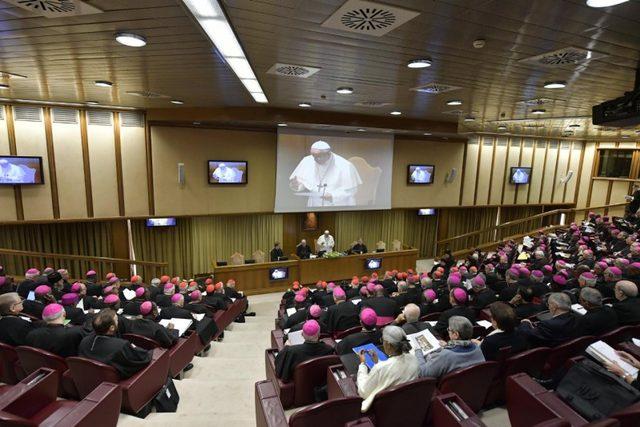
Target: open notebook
604, 353
180, 324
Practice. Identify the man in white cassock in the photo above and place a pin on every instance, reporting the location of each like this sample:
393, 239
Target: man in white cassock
11, 173
520, 176
325, 242
223, 173
420, 174
329, 179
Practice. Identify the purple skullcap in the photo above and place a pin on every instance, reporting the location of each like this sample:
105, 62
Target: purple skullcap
176, 298
635, 265
429, 294
587, 275
368, 317
364, 291
623, 260
139, 292
371, 287
111, 299
107, 290
547, 268
91, 273
454, 279
43, 290
603, 265
525, 272
3, 280
52, 312
561, 262
378, 288
169, 287
565, 273
478, 281
537, 273
114, 279
146, 307
311, 328
76, 287
299, 297
339, 293
315, 311
489, 266
615, 271
331, 285
514, 271
195, 295
460, 295
69, 299
560, 279
33, 271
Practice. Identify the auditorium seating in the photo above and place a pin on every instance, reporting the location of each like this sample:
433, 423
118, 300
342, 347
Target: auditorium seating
33, 402
32, 359
338, 335
180, 354
409, 402
9, 364
560, 354
471, 384
442, 416
137, 391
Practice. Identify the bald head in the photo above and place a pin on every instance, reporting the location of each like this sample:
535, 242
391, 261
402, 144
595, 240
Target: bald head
8, 302
411, 313
625, 289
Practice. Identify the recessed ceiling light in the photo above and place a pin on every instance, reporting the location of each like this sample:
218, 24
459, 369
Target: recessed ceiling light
575, 125
454, 102
558, 84
177, 102
361, 130
502, 128
92, 103
131, 40
419, 63
604, 3
469, 119
304, 104
4, 86
344, 90
538, 111
103, 83
282, 125
396, 113
260, 97
427, 134
252, 85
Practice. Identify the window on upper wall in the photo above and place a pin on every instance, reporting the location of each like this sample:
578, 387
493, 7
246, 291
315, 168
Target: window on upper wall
615, 163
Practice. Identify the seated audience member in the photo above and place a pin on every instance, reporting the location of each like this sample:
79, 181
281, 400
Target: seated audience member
29, 283
132, 308
342, 315
399, 368
429, 302
611, 276
154, 289
627, 306
504, 321
176, 309
617, 370
386, 308
43, 297
13, 328
556, 330
102, 345
482, 296
369, 334
94, 288
460, 352
458, 300
292, 355
75, 315
523, 303
55, 337
301, 314
598, 319
230, 290
147, 327
409, 320
164, 300
213, 300
196, 305
403, 297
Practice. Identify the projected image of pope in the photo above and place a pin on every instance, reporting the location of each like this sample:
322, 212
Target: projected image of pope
10, 172
520, 176
326, 178
224, 173
421, 174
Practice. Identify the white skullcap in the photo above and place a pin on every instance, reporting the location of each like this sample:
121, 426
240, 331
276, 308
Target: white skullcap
320, 145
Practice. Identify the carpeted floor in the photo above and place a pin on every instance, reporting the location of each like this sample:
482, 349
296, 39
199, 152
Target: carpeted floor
218, 391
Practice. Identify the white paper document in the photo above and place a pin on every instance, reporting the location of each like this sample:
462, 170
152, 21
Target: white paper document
423, 340
295, 338
180, 324
577, 308
484, 323
290, 311
356, 301
129, 294
198, 316
604, 353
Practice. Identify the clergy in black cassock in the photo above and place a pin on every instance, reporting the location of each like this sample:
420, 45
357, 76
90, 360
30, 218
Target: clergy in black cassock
13, 328
55, 337
147, 327
292, 355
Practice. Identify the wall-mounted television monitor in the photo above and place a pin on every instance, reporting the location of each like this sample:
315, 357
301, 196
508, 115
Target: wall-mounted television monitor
373, 263
161, 222
21, 170
426, 212
520, 175
278, 273
420, 174
227, 172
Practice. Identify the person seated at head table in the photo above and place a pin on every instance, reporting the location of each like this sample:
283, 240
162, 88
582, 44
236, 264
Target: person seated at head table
556, 330
303, 251
399, 368
370, 334
292, 355
55, 337
102, 345
504, 322
459, 352
276, 253
13, 328
359, 247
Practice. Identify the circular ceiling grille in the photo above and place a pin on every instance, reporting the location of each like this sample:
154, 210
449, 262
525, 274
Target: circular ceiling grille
292, 70
368, 19
567, 57
62, 6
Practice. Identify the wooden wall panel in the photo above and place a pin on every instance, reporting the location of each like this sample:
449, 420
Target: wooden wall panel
484, 172
537, 172
7, 194
599, 192
585, 175
31, 141
619, 189
513, 159
471, 168
134, 171
525, 160
497, 182
548, 173
561, 171
574, 165
69, 170
102, 158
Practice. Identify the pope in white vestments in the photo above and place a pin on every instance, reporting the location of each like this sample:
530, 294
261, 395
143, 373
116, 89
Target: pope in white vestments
421, 174
11, 173
223, 173
330, 179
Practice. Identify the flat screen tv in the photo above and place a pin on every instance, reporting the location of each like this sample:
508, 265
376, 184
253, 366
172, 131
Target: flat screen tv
21, 170
520, 175
420, 174
373, 263
278, 273
161, 222
426, 212
227, 172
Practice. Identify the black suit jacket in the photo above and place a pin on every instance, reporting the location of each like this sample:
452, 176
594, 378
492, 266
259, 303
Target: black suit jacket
628, 311
596, 321
458, 310
551, 332
303, 252
492, 344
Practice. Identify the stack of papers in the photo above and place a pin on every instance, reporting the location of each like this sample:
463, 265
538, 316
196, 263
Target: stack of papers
198, 316
370, 348
290, 311
577, 308
356, 301
180, 324
484, 323
423, 340
129, 294
604, 353
295, 338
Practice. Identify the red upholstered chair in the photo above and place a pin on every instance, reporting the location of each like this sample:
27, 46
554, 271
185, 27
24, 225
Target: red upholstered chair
560, 354
32, 402
137, 391
559, 422
338, 335
8, 361
269, 411
32, 359
471, 384
180, 354
630, 348
403, 405
277, 337
141, 341
443, 416
621, 334
339, 383
360, 422
430, 317
284, 389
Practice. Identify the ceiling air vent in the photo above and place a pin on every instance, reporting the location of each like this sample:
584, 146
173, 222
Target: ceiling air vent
564, 57
367, 17
27, 114
131, 119
372, 104
55, 8
537, 101
65, 115
147, 94
292, 70
435, 88
99, 118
